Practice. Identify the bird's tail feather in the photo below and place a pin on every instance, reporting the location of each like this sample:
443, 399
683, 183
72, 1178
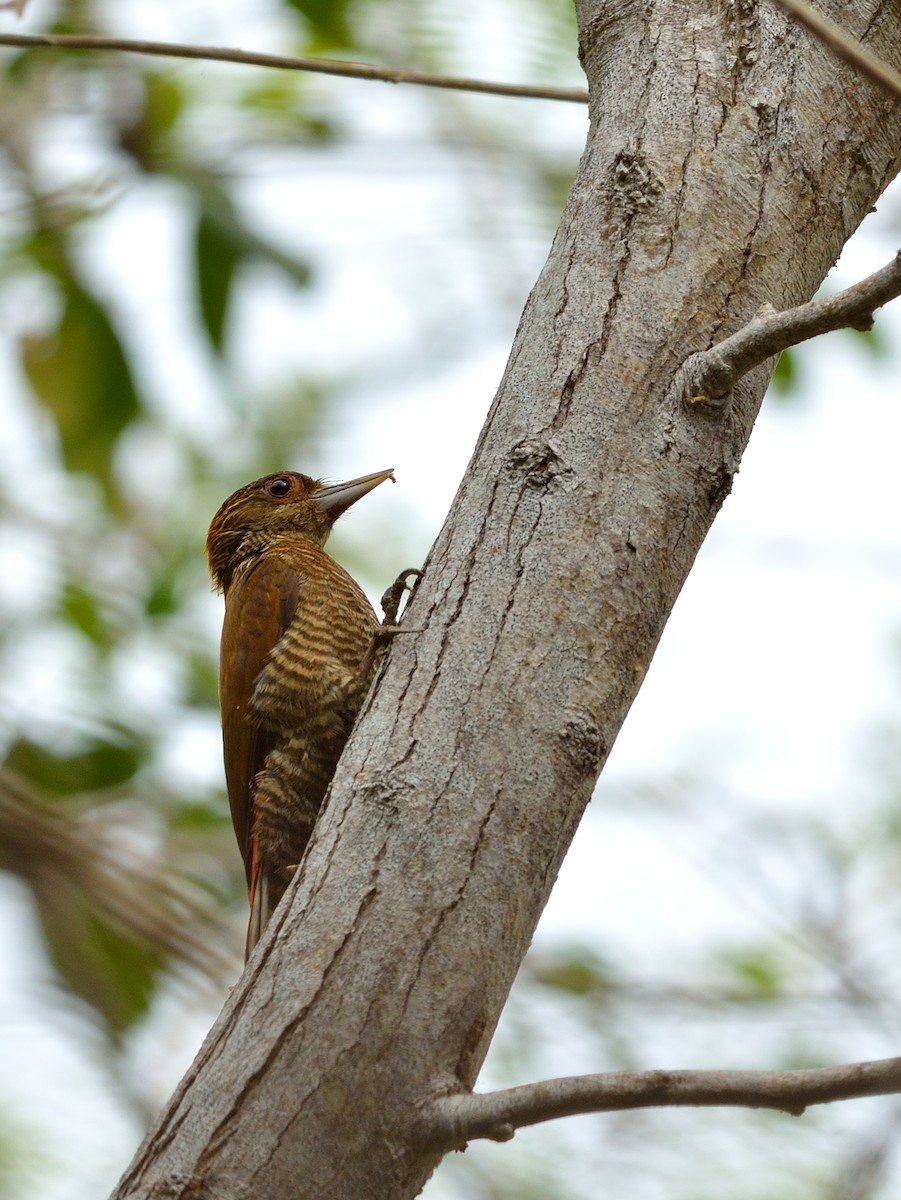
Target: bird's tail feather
262, 904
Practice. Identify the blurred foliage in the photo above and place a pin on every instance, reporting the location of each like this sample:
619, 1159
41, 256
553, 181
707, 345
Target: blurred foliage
18, 1152
784, 381
101, 765
132, 412
111, 918
132, 408
79, 372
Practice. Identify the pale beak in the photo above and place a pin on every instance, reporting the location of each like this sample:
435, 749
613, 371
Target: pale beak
337, 498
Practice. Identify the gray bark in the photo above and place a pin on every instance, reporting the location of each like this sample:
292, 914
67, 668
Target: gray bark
729, 158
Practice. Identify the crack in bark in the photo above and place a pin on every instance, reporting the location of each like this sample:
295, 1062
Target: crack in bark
882, 12
686, 517
411, 748
519, 568
564, 298
683, 175
561, 415
466, 568
632, 188
350, 1048
428, 939
768, 120
586, 752
162, 1141
466, 1048
648, 43
221, 1133
449, 908
412, 742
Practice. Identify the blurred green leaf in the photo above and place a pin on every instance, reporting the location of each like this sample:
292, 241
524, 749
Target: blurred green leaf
758, 971
202, 685
164, 597
222, 242
102, 766
81, 609
875, 343
143, 137
81, 376
200, 818
164, 100
217, 256
578, 971
785, 376
278, 99
112, 973
327, 20
21, 1150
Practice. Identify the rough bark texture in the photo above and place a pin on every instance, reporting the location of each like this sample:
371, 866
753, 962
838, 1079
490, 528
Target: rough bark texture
729, 158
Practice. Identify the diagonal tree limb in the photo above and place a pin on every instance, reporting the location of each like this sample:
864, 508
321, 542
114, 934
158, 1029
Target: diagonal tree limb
844, 45
709, 377
454, 1120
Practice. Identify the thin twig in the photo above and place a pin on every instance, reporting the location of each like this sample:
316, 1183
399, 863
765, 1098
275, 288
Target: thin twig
709, 377
285, 62
452, 1121
844, 45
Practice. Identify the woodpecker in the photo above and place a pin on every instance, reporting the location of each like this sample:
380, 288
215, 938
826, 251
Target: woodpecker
296, 658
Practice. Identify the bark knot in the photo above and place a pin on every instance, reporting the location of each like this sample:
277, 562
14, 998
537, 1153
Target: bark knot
633, 184
581, 739
180, 1185
720, 488
767, 118
383, 793
537, 462
745, 19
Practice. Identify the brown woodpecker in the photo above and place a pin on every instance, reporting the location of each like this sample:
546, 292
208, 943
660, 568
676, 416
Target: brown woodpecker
295, 661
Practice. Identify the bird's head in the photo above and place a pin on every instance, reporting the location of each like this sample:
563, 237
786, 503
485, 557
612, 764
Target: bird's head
284, 504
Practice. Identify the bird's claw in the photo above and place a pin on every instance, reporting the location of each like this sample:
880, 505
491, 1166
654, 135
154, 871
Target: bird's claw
391, 600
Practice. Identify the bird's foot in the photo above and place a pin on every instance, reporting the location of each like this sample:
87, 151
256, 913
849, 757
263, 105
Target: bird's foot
380, 640
392, 598
389, 628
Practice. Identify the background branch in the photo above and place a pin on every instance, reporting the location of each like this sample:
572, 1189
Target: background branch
709, 377
844, 45
831, 34
457, 1119
286, 62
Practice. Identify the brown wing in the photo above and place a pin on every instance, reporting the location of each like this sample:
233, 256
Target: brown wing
259, 606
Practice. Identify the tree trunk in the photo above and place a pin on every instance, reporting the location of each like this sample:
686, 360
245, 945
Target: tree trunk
730, 156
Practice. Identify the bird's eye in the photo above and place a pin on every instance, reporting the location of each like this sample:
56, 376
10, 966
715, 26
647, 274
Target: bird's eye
279, 487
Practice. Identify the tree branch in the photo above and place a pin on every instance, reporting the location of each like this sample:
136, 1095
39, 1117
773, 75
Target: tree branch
454, 1120
285, 62
844, 45
709, 377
